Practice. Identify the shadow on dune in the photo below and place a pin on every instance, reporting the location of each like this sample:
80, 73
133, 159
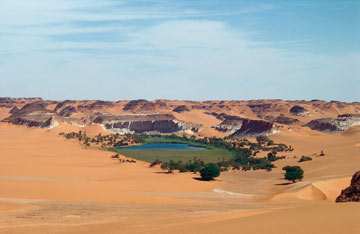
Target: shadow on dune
287, 183
162, 172
201, 179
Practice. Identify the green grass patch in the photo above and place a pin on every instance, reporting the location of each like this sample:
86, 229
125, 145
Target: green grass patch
177, 140
206, 155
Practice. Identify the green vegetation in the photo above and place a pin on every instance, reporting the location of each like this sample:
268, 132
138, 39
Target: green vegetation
189, 166
293, 173
305, 158
224, 153
209, 171
177, 140
207, 155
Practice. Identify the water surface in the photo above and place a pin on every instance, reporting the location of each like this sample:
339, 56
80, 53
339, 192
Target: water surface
167, 146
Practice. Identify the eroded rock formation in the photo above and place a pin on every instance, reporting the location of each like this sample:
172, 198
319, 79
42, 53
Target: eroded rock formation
254, 128
298, 111
181, 109
154, 123
68, 111
33, 115
14, 110
281, 120
341, 123
230, 124
352, 193
260, 116
139, 105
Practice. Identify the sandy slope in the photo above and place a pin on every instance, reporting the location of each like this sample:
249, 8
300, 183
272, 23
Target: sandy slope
50, 185
199, 117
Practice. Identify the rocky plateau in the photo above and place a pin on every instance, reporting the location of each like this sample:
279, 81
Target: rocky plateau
237, 119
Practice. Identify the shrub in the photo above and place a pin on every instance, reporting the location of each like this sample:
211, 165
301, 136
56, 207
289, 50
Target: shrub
209, 172
115, 156
271, 157
156, 162
246, 167
262, 139
293, 173
305, 158
165, 166
172, 166
193, 167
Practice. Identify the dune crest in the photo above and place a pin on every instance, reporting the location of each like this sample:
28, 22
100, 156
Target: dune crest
315, 191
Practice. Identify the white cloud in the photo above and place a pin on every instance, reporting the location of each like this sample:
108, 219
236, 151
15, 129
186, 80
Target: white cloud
173, 58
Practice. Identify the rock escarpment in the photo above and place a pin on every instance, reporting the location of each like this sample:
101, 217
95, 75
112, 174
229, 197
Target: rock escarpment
34, 115
14, 110
231, 113
97, 105
154, 123
339, 124
230, 124
281, 120
352, 193
68, 111
181, 109
298, 111
254, 128
221, 116
261, 108
242, 127
139, 105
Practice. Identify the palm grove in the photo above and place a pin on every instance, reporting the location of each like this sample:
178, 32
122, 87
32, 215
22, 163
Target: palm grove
244, 152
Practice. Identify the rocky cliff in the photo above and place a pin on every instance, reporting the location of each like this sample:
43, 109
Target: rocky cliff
341, 123
298, 111
33, 115
140, 105
254, 128
230, 124
181, 109
352, 193
281, 120
68, 111
260, 115
154, 123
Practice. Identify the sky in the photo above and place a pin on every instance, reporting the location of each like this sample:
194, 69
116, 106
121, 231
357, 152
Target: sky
180, 49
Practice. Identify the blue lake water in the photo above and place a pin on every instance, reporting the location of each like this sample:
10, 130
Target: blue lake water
157, 146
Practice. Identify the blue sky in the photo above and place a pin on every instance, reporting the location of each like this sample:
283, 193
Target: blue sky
180, 49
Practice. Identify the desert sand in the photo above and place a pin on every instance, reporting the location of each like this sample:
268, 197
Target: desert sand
50, 185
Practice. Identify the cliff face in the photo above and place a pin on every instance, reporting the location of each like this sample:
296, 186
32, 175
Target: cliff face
68, 111
230, 124
242, 127
341, 123
281, 120
352, 193
33, 115
14, 110
158, 123
247, 118
298, 111
254, 128
181, 109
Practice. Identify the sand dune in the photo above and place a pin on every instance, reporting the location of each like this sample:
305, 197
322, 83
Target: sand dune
321, 190
199, 117
50, 185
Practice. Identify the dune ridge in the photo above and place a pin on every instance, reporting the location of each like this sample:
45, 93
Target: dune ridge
51, 185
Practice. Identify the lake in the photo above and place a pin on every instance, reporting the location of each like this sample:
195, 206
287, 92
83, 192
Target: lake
157, 146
